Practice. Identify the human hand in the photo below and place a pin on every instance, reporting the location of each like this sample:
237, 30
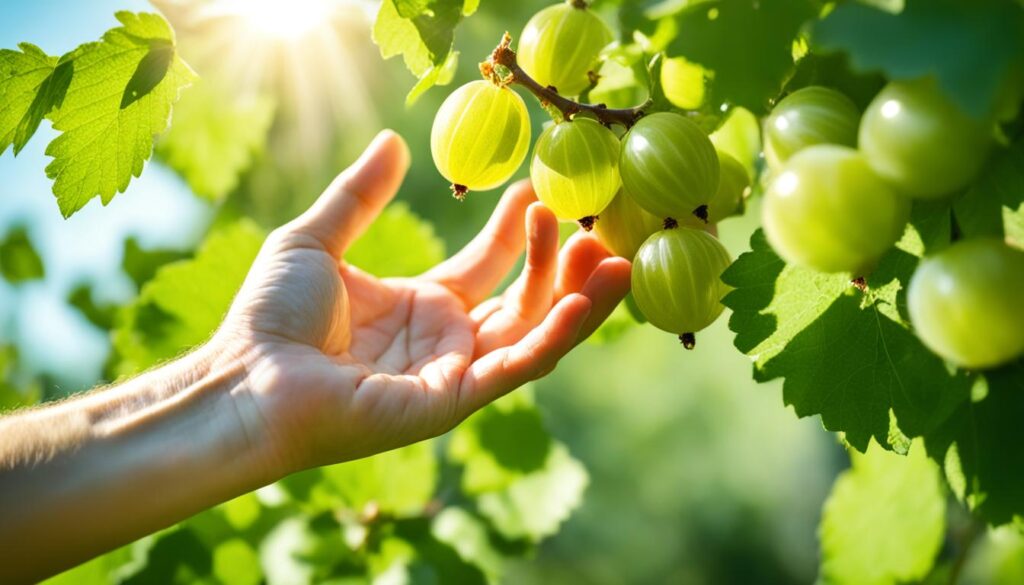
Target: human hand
341, 365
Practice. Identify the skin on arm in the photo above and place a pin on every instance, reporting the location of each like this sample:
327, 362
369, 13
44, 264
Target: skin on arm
316, 363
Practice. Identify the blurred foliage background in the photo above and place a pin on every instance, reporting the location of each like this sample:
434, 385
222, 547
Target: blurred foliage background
696, 474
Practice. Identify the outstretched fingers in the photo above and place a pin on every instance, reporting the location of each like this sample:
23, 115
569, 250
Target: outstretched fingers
479, 268
504, 320
356, 197
505, 369
533, 292
607, 286
579, 258
571, 321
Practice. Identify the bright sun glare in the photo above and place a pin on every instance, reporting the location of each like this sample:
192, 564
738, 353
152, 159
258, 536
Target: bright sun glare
307, 55
282, 19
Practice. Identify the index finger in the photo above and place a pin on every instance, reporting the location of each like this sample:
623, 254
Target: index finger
476, 270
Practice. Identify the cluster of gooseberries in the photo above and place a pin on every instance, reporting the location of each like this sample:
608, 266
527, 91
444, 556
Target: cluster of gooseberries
840, 196
653, 184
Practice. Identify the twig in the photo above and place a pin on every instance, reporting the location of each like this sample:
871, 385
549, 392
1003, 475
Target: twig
504, 55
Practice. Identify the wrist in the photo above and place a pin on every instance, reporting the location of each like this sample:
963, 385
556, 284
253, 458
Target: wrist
194, 413
220, 389
91, 474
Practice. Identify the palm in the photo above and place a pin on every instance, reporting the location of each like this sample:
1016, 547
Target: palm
353, 356
399, 326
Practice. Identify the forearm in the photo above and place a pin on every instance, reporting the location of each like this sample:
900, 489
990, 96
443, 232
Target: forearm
85, 476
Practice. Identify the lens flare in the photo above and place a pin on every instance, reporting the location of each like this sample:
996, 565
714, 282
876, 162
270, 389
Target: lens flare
281, 20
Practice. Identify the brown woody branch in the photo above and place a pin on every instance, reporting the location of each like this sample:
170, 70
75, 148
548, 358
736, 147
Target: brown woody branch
504, 55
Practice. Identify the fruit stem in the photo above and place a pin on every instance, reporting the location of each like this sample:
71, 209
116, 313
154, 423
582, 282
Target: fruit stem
587, 223
689, 340
578, 4
504, 55
669, 223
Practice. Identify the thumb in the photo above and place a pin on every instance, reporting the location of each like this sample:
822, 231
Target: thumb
356, 197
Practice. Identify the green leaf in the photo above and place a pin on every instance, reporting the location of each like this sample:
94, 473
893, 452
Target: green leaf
150, 71
747, 44
399, 482
284, 550
186, 300
846, 356
141, 265
177, 555
740, 136
19, 260
967, 46
32, 84
436, 75
893, 6
398, 243
411, 8
977, 447
235, 562
396, 35
534, 506
98, 571
100, 315
772, 302
22, 75
500, 444
50, 96
412, 554
242, 512
469, 537
834, 70
119, 98
994, 206
215, 137
423, 32
526, 484
884, 522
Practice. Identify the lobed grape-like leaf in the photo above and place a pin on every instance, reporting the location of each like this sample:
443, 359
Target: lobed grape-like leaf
845, 355
525, 483
185, 300
399, 482
500, 444
977, 447
747, 44
423, 32
534, 507
23, 74
885, 519
119, 97
994, 205
469, 536
412, 553
967, 46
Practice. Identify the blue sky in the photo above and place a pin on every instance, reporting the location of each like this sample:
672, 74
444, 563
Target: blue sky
157, 208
